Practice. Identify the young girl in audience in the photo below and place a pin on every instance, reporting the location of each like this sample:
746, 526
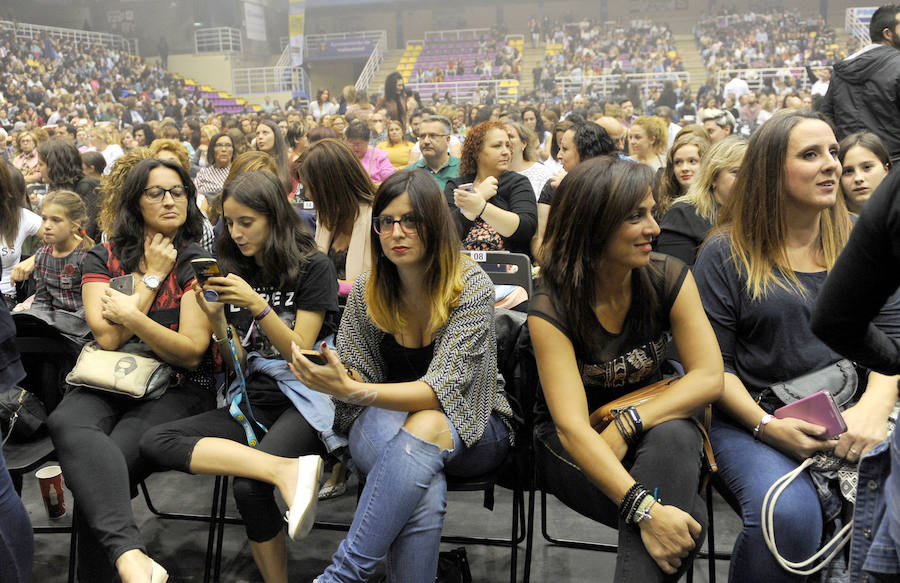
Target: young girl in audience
759, 278
647, 141
599, 322
865, 162
682, 164
279, 290
693, 215
419, 332
17, 224
57, 270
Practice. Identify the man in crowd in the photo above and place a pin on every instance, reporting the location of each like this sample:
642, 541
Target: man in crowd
862, 95
434, 143
718, 122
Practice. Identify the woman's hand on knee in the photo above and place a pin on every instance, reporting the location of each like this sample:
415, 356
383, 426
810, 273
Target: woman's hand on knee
669, 536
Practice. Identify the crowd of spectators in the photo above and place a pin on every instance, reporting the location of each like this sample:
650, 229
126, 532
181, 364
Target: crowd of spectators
586, 48
777, 38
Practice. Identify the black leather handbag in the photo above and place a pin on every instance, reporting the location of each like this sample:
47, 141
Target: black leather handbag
22, 415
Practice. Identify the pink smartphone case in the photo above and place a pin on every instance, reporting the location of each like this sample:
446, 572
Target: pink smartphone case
818, 408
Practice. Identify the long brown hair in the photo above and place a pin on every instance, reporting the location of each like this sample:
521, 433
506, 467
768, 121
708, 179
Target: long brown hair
443, 274
602, 192
336, 183
755, 216
669, 187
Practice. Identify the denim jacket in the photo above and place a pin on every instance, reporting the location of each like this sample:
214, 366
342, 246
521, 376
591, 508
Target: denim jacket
873, 551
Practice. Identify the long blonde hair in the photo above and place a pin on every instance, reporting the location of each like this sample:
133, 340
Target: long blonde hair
726, 154
755, 220
443, 282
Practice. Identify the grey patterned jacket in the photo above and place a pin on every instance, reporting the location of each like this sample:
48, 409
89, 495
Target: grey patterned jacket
463, 372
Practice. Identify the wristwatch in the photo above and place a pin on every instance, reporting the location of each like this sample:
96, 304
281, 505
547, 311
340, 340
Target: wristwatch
151, 281
757, 431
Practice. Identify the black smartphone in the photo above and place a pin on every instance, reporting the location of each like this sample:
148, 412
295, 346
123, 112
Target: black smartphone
204, 269
123, 284
314, 355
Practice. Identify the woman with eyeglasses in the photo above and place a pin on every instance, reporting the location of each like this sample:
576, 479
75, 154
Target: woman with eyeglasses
418, 334
279, 290
97, 434
210, 180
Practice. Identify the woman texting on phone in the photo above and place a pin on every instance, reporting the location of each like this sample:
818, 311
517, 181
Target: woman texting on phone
599, 322
96, 434
759, 277
419, 332
279, 290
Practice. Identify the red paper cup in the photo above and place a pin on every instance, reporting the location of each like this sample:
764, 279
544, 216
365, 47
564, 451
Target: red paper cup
50, 480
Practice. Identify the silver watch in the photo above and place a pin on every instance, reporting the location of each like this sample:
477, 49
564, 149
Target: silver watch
151, 281
761, 425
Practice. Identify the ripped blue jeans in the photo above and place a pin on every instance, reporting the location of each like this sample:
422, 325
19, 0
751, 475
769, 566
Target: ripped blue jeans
401, 511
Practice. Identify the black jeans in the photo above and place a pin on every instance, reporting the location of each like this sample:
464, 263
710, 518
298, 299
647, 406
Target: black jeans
667, 458
289, 435
97, 438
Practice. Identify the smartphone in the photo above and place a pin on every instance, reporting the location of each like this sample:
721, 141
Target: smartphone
469, 186
818, 408
314, 355
204, 269
123, 284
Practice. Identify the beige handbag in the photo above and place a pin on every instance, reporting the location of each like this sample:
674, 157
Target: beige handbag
131, 372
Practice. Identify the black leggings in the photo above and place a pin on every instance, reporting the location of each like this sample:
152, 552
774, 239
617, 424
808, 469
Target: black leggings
289, 435
97, 437
668, 458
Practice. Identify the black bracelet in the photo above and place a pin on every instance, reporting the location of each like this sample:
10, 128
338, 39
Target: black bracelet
626, 432
482, 211
636, 421
629, 497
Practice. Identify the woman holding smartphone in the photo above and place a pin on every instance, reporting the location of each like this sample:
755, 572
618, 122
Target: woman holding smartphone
759, 276
279, 291
97, 434
419, 332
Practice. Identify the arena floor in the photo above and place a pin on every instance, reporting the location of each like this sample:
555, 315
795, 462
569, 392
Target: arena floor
181, 546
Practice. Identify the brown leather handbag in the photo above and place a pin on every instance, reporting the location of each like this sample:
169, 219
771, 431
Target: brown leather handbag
604, 415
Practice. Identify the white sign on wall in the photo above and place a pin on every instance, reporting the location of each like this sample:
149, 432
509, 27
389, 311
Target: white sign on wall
255, 21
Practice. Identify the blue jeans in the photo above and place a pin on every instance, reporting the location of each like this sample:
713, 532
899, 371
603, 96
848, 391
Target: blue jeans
748, 468
16, 537
401, 511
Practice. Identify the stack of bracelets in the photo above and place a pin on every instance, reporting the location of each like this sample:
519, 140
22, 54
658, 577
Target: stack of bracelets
629, 424
636, 504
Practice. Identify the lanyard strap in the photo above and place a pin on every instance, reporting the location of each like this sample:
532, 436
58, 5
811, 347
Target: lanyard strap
233, 407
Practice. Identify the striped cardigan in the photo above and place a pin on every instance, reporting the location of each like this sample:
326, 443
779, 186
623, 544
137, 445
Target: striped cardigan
463, 371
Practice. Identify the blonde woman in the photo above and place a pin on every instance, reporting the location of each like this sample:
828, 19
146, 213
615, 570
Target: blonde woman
693, 215
523, 143
759, 277
682, 163
647, 141
398, 148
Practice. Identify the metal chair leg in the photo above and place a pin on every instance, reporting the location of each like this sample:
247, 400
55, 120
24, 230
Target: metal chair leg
572, 544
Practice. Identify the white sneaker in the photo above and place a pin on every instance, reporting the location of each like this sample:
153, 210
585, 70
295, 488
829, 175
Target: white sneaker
302, 513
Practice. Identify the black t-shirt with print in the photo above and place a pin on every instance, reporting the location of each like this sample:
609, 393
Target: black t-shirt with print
314, 291
612, 365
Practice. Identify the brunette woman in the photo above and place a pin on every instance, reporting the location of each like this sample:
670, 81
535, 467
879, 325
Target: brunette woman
342, 192
96, 433
270, 140
600, 322
280, 290
865, 163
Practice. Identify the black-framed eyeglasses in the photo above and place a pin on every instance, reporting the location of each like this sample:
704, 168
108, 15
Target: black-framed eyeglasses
157, 193
384, 225
432, 136
223, 146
